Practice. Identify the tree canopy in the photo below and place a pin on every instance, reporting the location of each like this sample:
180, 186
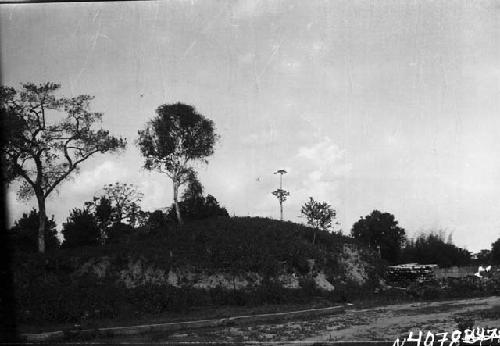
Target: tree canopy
495, 252
173, 140
47, 138
81, 229
380, 231
118, 202
319, 215
432, 249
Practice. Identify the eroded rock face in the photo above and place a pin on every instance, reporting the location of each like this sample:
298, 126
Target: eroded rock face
140, 272
289, 280
355, 268
220, 280
97, 266
323, 283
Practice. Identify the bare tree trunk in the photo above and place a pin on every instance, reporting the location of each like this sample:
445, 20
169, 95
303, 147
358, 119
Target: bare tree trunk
176, 203
41, 223
314, 237
281, 210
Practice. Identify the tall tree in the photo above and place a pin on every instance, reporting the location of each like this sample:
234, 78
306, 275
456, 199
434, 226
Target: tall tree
173, 140
320, 215
380, 231
47, 138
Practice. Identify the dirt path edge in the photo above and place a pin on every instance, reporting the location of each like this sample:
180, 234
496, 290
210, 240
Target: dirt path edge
176, 326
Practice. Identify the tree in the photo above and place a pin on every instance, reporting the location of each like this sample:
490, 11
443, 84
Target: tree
47, 139
24, 234
484, 256
117, 205
280, 193
380, 231
495, 252
431, 248
320, 215
173, 140
194, 206
194, 188
199, 208
156, 220
119, 202
81, 229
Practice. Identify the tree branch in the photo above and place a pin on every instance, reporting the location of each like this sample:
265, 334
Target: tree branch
70, 169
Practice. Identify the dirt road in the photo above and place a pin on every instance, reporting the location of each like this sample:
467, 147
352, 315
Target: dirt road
380, 323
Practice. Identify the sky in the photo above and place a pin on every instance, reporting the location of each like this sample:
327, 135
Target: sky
387, 105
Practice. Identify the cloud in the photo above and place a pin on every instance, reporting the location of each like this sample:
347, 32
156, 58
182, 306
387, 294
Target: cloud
93, 179
323, 161
157, 189
317, 171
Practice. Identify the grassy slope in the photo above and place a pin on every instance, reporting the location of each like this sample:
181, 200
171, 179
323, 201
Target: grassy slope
48, 289
236, 244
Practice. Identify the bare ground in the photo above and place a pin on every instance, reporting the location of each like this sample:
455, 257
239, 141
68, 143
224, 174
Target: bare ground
380, 323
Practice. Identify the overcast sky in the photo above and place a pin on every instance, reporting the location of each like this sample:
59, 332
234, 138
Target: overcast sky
388, 105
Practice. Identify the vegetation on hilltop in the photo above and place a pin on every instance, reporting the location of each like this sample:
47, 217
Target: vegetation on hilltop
56, 289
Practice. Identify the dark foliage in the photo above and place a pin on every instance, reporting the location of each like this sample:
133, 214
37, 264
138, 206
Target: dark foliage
199, 208
24, 234
432, 249
86, 300
495, 252
119, 232
81, 229
156, 221
484, 256
380, 231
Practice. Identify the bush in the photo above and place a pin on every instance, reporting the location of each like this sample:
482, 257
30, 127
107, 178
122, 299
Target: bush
24, 234
198, 208
119, 232
156, 221
81, 229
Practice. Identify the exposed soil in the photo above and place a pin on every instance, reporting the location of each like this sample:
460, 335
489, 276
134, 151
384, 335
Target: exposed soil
379, 323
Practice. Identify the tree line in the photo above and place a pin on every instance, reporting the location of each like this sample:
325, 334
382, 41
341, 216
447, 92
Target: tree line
46, 138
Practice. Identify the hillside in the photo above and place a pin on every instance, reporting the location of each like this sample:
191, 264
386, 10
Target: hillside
221, 261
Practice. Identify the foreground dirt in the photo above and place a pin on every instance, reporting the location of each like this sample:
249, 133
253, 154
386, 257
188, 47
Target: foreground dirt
380, 323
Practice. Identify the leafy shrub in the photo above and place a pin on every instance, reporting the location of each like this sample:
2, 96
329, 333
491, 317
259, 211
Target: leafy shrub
81, 229
24, 234
198, 208
156, 221
119, 232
